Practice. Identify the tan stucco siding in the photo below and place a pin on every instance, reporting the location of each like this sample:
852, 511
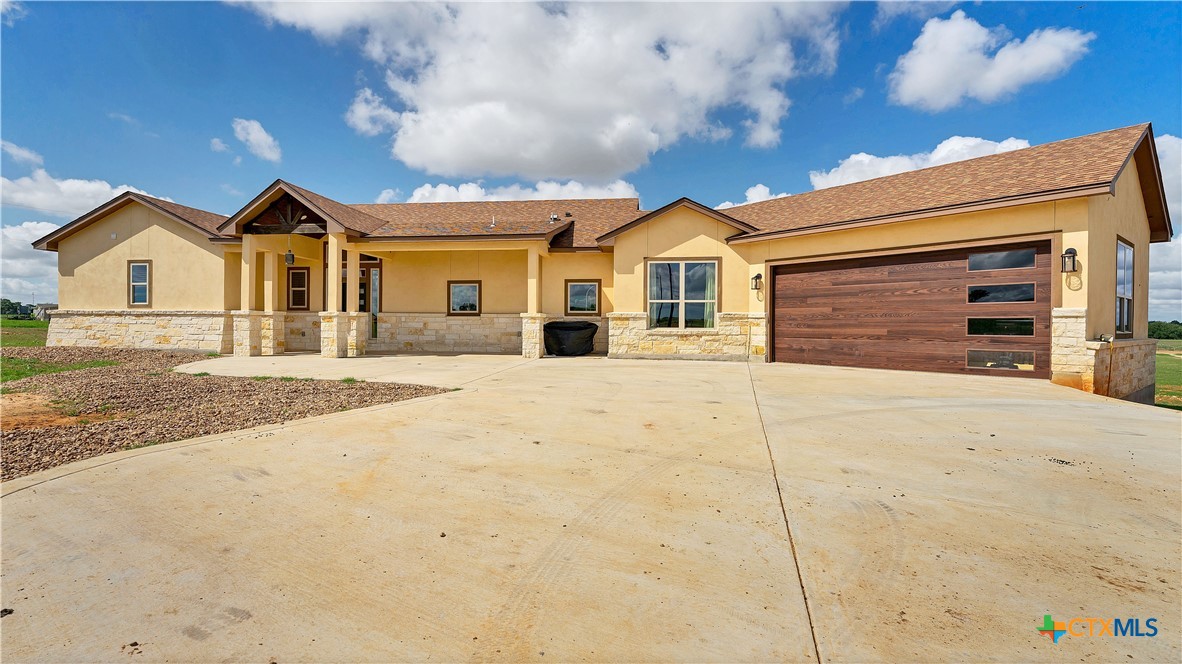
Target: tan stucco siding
678, 234
416, 281
558, 267
188, 273
1111, 216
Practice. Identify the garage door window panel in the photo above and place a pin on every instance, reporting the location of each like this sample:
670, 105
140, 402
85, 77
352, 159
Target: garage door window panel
1008, 327
1019, 360
1013, 259
682, 294
992, 293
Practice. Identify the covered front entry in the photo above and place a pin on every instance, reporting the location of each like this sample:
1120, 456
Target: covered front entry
985, 310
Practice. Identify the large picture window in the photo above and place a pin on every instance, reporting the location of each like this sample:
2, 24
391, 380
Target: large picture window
682, 294
139, 283
463, 298
1124, 288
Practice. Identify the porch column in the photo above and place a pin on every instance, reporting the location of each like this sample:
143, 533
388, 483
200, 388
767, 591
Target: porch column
333, 324
249, 274
532, 320
357, 330
247, 324
272, 331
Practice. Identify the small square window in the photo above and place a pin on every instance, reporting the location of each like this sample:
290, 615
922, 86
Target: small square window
582, 298
463, 298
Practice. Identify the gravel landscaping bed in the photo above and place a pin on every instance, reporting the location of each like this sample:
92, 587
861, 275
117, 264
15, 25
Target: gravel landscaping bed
140, 401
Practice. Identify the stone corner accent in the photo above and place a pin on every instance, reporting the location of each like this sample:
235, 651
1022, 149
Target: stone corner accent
334, 334
1124, 369
533, 343
737, 336
210, 331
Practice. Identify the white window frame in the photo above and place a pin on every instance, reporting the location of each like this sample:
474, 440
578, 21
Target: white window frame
681, 301
146, 283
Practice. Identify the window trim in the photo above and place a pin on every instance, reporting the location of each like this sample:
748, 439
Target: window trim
598, 296
717, 260
307, 288
479, 297
130, 298
1128, 334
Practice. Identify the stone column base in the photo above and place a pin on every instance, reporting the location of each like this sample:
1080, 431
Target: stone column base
247, 333
272, 333
357, 333
334, 334
533, 344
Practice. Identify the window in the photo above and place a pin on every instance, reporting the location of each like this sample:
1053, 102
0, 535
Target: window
582, 297
1007, 327
463, 298
139, 283
682, 294
1001, 293
1001, 260
297, 288
1124, 288
1019, 360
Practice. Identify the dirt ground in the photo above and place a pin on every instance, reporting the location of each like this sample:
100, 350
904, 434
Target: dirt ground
58, 418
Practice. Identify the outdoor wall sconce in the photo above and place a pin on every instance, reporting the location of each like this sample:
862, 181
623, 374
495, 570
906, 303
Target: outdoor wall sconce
1070, 264
757, 282
289, 258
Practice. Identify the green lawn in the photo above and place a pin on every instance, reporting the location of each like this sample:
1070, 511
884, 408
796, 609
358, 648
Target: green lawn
1169, 344
22, 332
1169, 381
14, 368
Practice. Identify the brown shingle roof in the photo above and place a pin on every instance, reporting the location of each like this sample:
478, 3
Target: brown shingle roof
589, 218
1059, 167
347, 215
208, 221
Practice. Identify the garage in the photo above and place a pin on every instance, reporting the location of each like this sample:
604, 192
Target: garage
982, 310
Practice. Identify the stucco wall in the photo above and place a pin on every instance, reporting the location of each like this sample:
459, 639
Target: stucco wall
1110, 216
188, 272
416, 281
558, 267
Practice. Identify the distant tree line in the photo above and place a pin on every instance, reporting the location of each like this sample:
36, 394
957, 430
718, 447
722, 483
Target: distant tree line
9, 308
1163, 330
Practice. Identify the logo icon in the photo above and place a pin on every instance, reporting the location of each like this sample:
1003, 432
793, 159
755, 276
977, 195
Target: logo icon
1051, 629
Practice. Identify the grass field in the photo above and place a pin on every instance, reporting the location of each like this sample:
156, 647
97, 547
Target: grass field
1169, 344
22, 332
14, 368
1169, 381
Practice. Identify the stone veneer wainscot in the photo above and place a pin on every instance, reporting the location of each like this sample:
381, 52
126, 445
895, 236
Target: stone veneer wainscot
738, 336
211, 331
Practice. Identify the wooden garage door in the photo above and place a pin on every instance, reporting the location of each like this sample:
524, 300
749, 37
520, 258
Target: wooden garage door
979, 311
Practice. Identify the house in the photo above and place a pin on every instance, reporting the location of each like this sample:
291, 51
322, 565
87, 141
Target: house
1029, 263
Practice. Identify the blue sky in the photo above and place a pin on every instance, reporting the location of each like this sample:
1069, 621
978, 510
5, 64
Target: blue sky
412, 102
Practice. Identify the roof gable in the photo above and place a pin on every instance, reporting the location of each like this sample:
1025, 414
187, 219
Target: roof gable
608, 238
340, 218
202, 221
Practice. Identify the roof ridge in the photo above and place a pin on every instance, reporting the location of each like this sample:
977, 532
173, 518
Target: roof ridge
510, 200
929, 169
168, 202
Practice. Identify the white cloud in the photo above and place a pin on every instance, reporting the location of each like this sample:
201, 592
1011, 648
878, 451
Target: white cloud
26, 270
238, 160
257, 140
759, 192
893, 9
368, 115
584, 91
63, 198
1165, 259
852, 96
124, 118
12, 11
389, 196
863, 166
957, 58
218, 145
229, 189
21, 155
545, 190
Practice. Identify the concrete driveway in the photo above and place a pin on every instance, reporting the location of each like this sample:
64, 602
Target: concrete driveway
591, 509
